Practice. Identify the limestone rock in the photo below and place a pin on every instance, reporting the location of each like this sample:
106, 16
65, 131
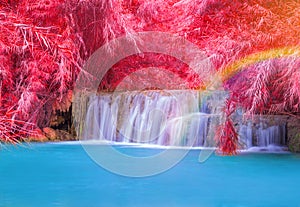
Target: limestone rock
50, 133
37, 136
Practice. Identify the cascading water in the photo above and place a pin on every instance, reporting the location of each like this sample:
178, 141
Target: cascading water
170, 118
263, 133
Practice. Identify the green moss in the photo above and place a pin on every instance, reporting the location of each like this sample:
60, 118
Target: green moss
294, 143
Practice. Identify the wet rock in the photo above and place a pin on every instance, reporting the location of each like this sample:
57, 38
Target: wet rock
50, 133
64, 136
37, 136
293, 133
55, 135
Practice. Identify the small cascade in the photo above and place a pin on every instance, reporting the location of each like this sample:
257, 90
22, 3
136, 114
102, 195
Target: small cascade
170, 118
263, 132
246, 134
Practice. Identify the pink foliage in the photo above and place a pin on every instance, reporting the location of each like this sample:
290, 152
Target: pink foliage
39, 59
43, 45
269, 87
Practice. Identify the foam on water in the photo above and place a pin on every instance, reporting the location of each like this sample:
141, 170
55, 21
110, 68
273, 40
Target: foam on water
267, 149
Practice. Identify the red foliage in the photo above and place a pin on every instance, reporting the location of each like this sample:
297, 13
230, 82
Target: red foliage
269, 87
43, 43
226, 135
126, 67
39, 59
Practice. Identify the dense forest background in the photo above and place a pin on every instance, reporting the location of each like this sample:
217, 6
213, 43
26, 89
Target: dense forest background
253, 44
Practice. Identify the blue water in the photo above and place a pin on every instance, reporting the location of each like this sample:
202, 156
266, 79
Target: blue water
63, 175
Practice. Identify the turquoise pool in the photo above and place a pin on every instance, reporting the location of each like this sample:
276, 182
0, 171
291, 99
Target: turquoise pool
63, 175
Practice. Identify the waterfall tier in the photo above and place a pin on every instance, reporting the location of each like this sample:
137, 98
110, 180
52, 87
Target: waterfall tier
170, 118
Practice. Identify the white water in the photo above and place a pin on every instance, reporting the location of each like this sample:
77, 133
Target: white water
262, 134
168, 118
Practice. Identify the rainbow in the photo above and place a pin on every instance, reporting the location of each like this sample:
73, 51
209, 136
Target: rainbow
232, 69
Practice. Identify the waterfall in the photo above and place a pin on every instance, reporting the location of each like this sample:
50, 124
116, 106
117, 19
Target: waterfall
169, 118
263, 132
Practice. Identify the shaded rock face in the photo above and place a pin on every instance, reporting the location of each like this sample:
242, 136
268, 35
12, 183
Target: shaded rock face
293, 133
62, 120
61, 127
